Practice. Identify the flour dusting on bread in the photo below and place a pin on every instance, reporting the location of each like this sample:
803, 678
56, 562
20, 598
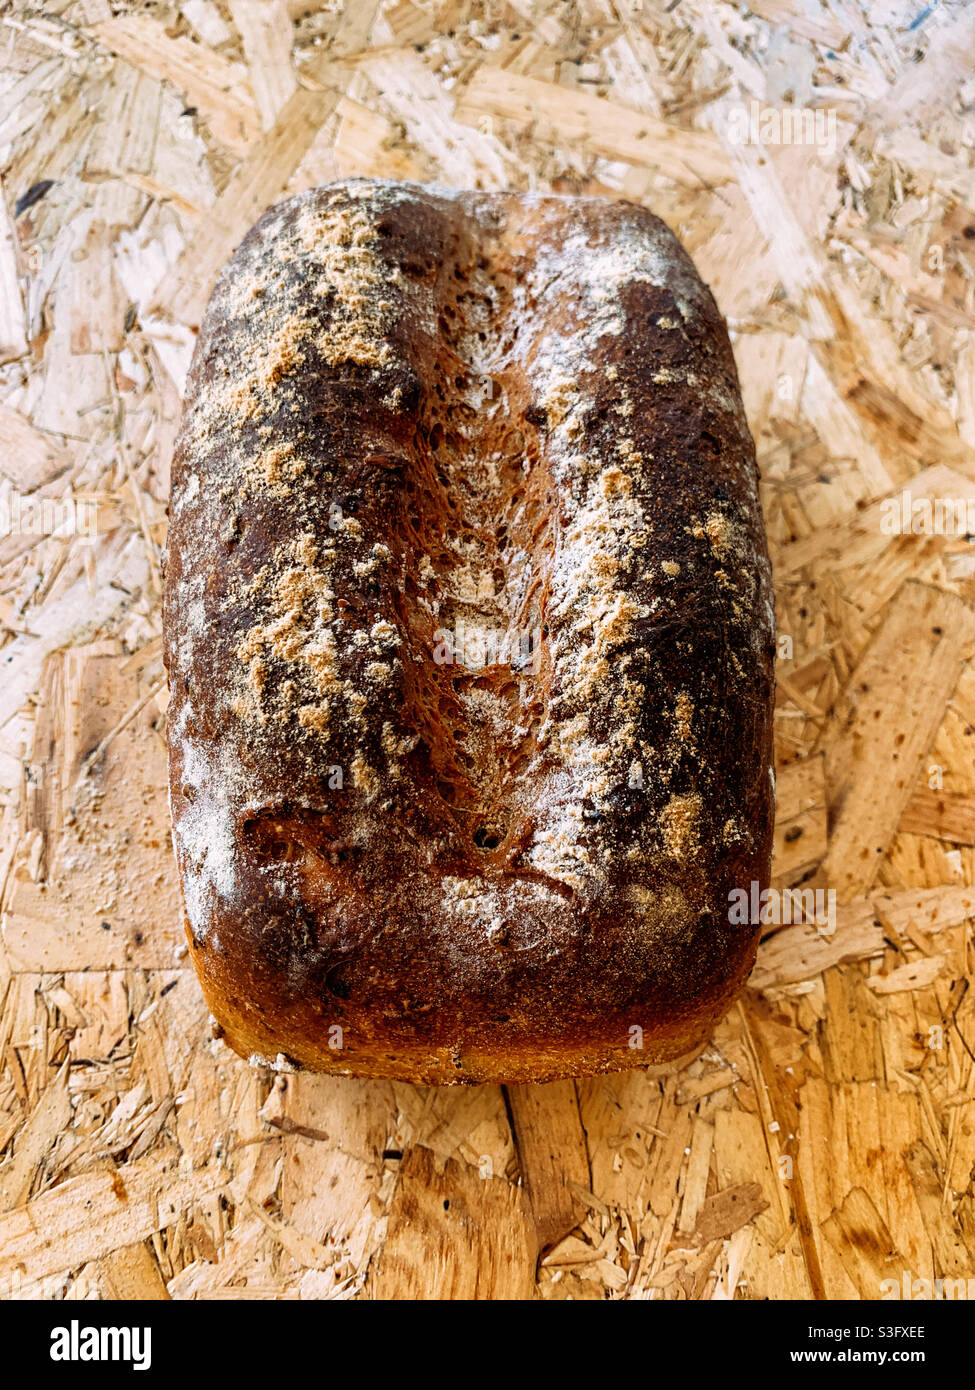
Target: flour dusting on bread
467, 600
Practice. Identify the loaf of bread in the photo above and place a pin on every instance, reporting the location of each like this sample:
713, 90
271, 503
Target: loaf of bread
469, 633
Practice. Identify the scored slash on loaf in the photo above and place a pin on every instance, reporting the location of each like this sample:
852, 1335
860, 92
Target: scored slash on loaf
469, 636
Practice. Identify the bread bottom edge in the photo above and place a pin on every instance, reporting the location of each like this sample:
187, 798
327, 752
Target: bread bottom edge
478, 1066
665, 1043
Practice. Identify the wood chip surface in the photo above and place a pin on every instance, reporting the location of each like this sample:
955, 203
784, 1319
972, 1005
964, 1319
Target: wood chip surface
824, 1140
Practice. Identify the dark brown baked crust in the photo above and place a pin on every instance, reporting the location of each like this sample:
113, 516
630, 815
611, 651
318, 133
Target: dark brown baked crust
516, 420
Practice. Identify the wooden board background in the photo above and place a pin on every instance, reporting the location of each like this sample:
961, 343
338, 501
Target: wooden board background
825, 1140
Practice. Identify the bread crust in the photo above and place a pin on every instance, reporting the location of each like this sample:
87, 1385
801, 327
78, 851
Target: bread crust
469, 632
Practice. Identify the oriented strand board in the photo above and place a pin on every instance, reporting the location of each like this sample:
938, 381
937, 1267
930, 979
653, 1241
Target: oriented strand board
826, 1136
455, 1235
885, 723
